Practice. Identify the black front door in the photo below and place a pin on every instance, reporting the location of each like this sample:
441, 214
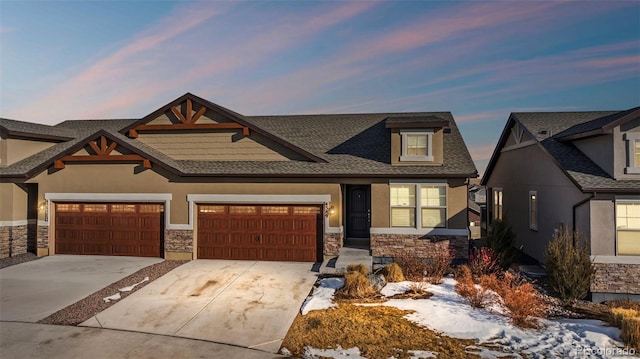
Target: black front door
358, 211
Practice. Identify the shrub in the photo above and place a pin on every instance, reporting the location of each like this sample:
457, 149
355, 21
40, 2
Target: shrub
358, 268
501, 240
356, 285
432, 269
412, 267
523, 301
475, 295
483, 261
393, 273
628, 320
569, 267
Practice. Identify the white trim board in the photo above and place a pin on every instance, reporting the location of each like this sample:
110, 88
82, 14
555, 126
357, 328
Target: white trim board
421, 231
23, 222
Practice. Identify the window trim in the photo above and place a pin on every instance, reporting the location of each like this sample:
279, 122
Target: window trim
404, 157
417, 208
532, 225
631, 139
494, 215
622, 201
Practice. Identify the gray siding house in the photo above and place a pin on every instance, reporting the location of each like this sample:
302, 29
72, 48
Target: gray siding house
575, 170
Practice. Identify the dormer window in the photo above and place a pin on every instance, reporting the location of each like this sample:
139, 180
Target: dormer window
633, 146
417, 146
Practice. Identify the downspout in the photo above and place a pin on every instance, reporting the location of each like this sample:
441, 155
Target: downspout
573, 212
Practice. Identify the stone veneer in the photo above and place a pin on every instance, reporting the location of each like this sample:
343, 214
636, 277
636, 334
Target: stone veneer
43, 236
424, 246
332, 244
13, 240
178, 240
616, 278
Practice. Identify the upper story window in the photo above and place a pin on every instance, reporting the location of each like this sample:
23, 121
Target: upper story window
533, 210
633, 147
497, 203
628, 227
429, 199
417, 146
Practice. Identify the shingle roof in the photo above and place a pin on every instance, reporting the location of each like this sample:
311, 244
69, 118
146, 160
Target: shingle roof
549, 128
28, 129
352, 145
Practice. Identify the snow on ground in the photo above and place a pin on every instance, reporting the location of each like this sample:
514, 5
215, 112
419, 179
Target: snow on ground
450, 314
322, 297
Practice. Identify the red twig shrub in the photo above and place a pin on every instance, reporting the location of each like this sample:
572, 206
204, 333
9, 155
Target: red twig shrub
483, 261
476, 295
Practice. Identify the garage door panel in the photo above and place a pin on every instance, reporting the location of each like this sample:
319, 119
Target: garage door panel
109, 229
279, 233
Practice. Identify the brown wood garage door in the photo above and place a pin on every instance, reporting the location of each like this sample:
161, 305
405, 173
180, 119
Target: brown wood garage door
117, 229
274, 232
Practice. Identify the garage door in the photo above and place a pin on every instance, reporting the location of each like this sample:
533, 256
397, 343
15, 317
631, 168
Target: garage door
115, 229
274, 232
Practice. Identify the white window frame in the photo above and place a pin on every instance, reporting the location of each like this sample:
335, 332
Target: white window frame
623, 201
417, 209
631, 139
405, 140
494, 215
533, 225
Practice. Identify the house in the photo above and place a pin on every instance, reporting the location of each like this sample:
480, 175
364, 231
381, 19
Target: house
196, 180
580, 171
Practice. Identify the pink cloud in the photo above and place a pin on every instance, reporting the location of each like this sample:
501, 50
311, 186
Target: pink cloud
482, 152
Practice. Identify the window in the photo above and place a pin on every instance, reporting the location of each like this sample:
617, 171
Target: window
628, 227
533, 210
431, 199
416, 146
403, 206
633, 148
433, 202
497, 203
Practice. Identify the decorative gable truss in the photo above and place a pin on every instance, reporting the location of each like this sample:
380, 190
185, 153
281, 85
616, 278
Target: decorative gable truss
102, 150
188, 121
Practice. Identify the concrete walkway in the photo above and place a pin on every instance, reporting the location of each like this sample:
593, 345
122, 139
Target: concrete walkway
34, 290
27, 340
347, 256
244, 303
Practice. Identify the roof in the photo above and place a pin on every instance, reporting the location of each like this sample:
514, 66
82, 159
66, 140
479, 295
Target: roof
34, 130
553, 132
347, 145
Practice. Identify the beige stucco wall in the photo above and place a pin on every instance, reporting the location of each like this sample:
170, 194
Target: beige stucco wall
437, 148
15, 150
227, 145
120, 178
620, 149
603, 234
456, 204
529, 169
13, 202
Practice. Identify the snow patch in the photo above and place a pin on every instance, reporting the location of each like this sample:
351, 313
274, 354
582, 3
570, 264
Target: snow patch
421, 354
322, 297
338, 352
130, 288
112, 298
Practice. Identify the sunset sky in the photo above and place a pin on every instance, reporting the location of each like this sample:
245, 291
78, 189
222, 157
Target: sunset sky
480, 60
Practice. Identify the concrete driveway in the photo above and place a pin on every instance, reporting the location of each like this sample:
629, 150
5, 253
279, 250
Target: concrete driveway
245, 303
34, 290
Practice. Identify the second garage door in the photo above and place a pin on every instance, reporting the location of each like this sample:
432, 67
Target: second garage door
274, 232
118, 229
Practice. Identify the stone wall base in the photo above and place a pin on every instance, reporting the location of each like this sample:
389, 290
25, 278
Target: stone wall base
388, 246
13, 240
178, 240
332, 244
616, 278
43, 237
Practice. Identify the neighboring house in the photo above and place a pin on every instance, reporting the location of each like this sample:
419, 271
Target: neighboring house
580, 171
196, 180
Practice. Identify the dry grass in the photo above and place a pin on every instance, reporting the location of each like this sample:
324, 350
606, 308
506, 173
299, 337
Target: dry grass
628, 320
356, 285
379, 332
393, 273
361, 268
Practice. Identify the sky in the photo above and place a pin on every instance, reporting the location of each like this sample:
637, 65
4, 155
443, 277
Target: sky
480, 60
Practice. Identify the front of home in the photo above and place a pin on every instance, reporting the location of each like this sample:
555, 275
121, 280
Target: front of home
574, 170
196, 180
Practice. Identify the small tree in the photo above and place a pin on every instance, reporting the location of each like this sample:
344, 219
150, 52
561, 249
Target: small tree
569, 267
501, 239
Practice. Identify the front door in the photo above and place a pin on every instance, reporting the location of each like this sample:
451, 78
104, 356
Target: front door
358, 211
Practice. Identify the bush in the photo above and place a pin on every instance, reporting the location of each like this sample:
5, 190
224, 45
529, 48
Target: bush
569, 267
628, 320
483, 261
356, 285
523, 301
474, 294
500, 240
358, 268
412, 267
431, 269
393, 273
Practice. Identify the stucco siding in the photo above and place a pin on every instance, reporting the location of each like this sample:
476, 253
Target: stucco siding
600, 150
437, 148
13, 203
603, 233
227, 145
17, 150
526, 169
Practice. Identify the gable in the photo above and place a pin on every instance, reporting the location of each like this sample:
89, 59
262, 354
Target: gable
517, 137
